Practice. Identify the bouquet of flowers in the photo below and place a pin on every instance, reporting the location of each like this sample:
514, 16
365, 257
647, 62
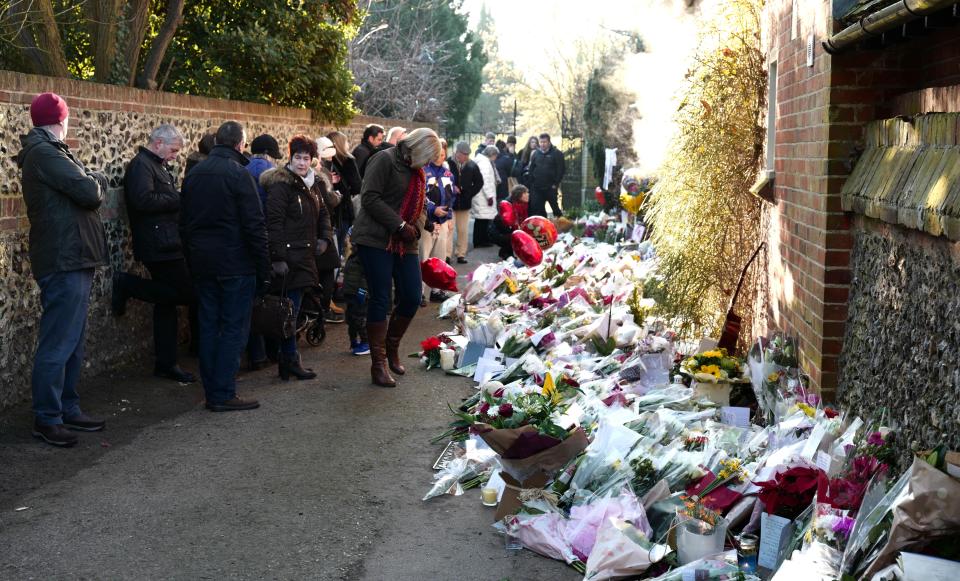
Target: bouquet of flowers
790, 492
715, 366
429, 353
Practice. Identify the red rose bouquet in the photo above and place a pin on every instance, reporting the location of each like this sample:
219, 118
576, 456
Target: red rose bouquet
430, 351
790, 492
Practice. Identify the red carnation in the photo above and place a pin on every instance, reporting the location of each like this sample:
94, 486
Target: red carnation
506, 410
484, 408
430, 344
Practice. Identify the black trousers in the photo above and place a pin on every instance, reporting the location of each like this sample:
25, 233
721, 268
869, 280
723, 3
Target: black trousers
481, 233
540, 197
168, 287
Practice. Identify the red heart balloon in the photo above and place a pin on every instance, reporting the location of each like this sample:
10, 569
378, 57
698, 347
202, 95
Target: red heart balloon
543, 231
438, 274
526, 248
506, 213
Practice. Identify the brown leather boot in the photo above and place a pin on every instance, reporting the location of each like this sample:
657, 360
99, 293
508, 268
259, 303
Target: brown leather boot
398, 326
377, 335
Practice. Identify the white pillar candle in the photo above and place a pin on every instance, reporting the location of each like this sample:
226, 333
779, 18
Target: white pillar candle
446, 359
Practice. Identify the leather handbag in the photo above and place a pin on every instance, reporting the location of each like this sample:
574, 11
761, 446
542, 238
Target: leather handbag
273, 316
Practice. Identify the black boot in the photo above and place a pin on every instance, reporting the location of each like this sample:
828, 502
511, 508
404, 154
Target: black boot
290, 365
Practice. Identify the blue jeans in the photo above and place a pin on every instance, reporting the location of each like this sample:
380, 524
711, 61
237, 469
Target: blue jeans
224, 305
288, 346
64, 297
383, 270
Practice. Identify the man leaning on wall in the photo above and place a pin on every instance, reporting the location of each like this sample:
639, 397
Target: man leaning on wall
153, 206
67, 242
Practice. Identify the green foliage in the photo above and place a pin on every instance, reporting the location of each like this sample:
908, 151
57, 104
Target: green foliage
291, 53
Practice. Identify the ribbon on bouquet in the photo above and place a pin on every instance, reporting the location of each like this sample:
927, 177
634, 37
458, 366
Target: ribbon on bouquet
530, 494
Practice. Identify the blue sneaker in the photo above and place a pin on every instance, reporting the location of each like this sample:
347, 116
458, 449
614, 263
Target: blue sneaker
361, 348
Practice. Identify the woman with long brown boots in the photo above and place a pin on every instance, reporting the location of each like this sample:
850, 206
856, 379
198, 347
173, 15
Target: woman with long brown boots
386, 234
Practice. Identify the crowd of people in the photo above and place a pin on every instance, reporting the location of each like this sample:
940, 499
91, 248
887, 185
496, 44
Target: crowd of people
301, 223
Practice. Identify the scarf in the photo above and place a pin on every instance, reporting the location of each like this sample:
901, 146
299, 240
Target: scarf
308, 179
411, 208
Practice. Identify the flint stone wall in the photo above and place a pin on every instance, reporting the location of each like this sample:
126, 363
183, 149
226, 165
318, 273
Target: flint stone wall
108, 123
901, 352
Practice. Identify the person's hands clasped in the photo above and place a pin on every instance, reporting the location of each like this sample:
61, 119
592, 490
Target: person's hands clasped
440, 212
408, 233
279, 268
322, 246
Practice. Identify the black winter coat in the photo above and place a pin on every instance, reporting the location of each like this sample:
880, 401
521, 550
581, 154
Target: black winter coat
296, 219
546, 169
362, 153
504, 165
153, 206
221, 222
349, 187
63, 200
468, 180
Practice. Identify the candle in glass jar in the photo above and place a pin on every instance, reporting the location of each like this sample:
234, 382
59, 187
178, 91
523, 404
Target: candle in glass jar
489, 496
446, 359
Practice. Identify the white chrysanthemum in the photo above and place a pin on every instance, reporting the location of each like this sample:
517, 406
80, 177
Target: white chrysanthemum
494, 411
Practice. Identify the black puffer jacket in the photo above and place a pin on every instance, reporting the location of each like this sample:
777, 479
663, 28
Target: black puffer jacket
221, 222
469, 181
546, 169
153, 205
362, 153
296, 219
63, 200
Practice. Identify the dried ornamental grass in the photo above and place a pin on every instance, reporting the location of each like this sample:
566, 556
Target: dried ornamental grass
704, 222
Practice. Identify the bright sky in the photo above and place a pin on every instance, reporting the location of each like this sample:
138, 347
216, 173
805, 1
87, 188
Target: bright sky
529, 31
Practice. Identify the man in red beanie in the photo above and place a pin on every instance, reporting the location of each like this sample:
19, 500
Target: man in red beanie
67, 243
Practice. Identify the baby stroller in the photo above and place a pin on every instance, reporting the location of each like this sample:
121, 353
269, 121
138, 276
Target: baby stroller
310, 325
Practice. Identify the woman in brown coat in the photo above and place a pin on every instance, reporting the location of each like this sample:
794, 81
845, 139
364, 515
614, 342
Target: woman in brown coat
386, 235
298, 229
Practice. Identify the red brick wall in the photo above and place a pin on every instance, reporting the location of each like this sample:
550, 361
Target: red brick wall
821, 115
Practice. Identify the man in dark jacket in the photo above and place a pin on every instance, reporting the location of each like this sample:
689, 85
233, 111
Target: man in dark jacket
225, 242
67, 243
504, 165
153, 206
546, 172
469, 181
369, 144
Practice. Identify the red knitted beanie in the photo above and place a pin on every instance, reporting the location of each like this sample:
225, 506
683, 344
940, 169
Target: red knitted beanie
48, 109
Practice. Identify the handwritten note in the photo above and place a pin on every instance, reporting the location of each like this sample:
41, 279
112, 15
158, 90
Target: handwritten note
735, 416
774, 535
824, 461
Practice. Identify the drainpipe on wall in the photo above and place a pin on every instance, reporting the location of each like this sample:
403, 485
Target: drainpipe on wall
882, 21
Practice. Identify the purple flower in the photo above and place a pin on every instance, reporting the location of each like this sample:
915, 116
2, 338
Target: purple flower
813, 399
843, 527
875, 439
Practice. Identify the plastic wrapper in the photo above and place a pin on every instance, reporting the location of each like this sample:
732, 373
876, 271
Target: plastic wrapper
438, 274
925, 510
447, 481
606, 458
525, 248
720, 567
622, 550
586, 519
449, 306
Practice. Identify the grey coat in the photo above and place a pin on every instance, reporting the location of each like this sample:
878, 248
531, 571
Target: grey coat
384, 186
